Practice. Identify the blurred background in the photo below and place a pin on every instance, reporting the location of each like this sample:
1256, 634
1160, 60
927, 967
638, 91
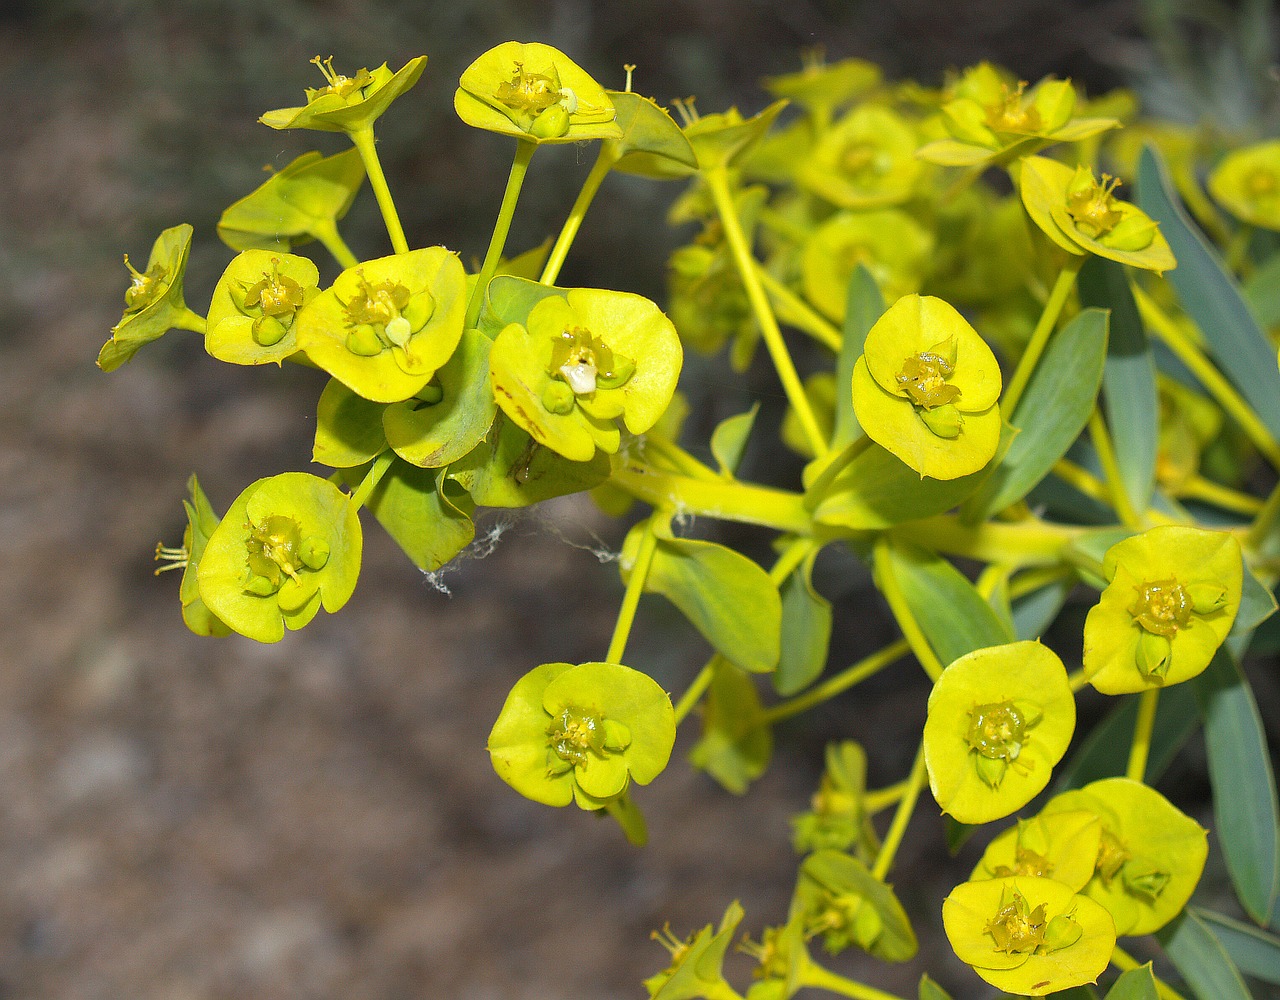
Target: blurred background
192, 819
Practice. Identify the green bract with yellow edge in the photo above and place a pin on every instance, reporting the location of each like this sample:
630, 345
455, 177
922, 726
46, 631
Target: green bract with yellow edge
536, 93
1247, 184
581, 733
1150, 855
1081, 214
289, 545
1172, 597
999, 719
925, 389
387, 325
348, 103
252, 318
579, 362
153, 303
1029, 936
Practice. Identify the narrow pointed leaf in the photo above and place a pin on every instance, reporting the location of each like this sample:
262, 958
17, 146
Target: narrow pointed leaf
1201, 960
806, 631
1136, 984
729, 440
1254, 952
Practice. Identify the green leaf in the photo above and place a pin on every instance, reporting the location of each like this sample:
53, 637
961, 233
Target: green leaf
510, 299
1128, 379
648, 132
929, 990
729, 440
1244, 800
726, 596
1033, 613
1105, 752
1201, 959
735, 747
1263, 292
865, 306
1254, 952
806, 631
1257, 604
1050, 415
430, 528
1211, 296
1136, 984
954, 617
348, 428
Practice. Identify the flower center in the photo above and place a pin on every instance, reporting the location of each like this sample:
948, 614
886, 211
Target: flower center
529, 93
275, 294
1162, 607
144, 288
573, 734
1112, 854
1262, 183
924, 378
997, 731
586, 363
343, 86
862, 158
277, 550
1091, 204
1011, 113
1026, 862
1016, 928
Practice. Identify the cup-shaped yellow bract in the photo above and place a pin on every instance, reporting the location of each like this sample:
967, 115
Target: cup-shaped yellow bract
534, 92
580, 733
1172, 597
387, 325
1081, 214
253, 313
1247, 184
889, 243
348, 103
1029, 936
289, 545
866, 160
925, 389
999, 719
153, 302
293, 205
1061, 846
581, 361
1150, 857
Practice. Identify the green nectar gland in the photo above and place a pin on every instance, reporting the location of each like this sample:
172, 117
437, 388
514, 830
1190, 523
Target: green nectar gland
383, 314
337, 84
144, 289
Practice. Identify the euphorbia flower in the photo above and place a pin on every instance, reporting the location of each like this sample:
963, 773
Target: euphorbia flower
1173, 594
153, 303
838, 818
387, 325
839, 899
255, 305
581, 733
696, 962
999, 719
289, 545
536, 93
1029, 936
201, 523
1247, 184
1150, 855
865, 160
581, 361
348, 103
1059, 845
889, 243
926, 387
1081, 214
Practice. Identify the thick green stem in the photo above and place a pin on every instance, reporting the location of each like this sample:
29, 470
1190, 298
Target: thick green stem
837, 683
695, 691
604, 162
364, 142
799, 313
374, 476
623, 809
1116, 492
515, 181
326, 231
898, 827
635, 587
1040, 335
190, 320
725, 500
1265, 522
1198, 488
1020, 543
824, 979
717, 180
1140, 749
911, 631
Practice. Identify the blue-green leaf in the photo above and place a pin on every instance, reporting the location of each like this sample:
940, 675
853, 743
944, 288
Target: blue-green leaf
1128, 380
729, 440
1136, 984
865, 306
1050, 415
1254, 952
1257, 604
1211, 297
1244, 800
954, 617
1033, 613
1263, 292
806, 631
1201, 959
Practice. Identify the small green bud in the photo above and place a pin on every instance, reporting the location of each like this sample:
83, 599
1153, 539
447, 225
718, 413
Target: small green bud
1133, 233
619, 371
314, 552
1207, 597
363, 340
1154, 653
420, 309
616, 735
551, 124
1061, 932
991, 769
267, 331
260, 586
945, 421
558, 398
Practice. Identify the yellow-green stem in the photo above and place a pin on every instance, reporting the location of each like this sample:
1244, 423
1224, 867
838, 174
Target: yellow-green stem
1021, 543
837, 683
725, 500
717, 180
1040, 335
898, 827
1077, 681
365, 143
1140, 749
569, 231
1199, 488
501, 227
1203, 369
1116, 492
635, 587
883, 798
188, 319
801, 314
657, 447
623, 810
1265, 522
695, 691
1125, 962
824, 979
326, 231
371, 478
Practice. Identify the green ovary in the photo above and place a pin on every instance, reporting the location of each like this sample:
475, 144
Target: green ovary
1162, 607
996, 736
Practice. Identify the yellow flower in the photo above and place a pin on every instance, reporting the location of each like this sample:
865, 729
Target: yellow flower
1247, 184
